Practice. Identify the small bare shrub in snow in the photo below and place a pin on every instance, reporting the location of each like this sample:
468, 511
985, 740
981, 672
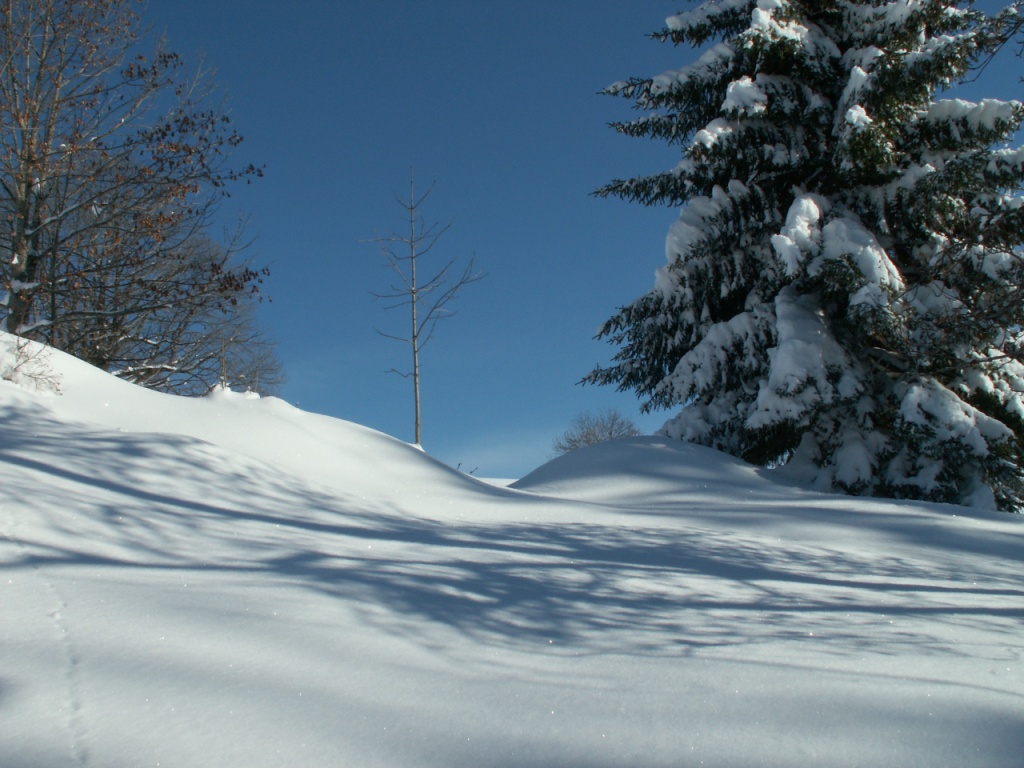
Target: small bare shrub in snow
591, 428
26, 363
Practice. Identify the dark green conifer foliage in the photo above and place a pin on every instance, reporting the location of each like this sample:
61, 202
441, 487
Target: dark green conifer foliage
844, 283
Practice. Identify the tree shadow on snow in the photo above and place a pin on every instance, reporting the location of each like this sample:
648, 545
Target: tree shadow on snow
659, 587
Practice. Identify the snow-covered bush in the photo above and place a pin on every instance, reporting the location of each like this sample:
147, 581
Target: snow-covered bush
26, 364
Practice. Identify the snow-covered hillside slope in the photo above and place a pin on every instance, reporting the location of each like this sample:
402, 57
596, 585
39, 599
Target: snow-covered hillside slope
233, 582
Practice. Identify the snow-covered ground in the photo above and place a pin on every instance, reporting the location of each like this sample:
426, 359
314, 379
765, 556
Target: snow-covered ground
233, 582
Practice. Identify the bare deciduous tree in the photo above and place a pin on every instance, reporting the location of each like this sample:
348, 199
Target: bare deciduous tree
590, 428
112, 165
169, 324
428, 299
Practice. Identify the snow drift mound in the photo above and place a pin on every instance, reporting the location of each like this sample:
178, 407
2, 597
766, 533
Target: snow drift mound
648, 472
308, 446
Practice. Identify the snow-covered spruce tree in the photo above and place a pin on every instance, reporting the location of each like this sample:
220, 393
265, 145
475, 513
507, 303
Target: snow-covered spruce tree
844, 288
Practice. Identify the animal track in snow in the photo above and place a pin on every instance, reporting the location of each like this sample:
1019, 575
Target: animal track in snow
71, 703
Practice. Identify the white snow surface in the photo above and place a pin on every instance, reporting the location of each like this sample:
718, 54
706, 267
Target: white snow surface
987, 114
806, 364
231, 581
745, 95
801, 237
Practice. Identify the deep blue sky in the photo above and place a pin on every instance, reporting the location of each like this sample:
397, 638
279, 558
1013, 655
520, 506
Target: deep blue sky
496, 103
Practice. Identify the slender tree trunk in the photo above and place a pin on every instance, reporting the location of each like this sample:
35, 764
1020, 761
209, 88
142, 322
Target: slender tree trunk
25, 256
415, 302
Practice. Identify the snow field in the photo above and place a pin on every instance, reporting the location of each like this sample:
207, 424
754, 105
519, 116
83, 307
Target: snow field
233, 582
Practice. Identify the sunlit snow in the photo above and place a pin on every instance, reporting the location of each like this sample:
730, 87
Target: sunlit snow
231, 581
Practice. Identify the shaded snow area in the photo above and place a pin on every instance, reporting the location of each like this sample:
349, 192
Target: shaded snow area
230, 581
